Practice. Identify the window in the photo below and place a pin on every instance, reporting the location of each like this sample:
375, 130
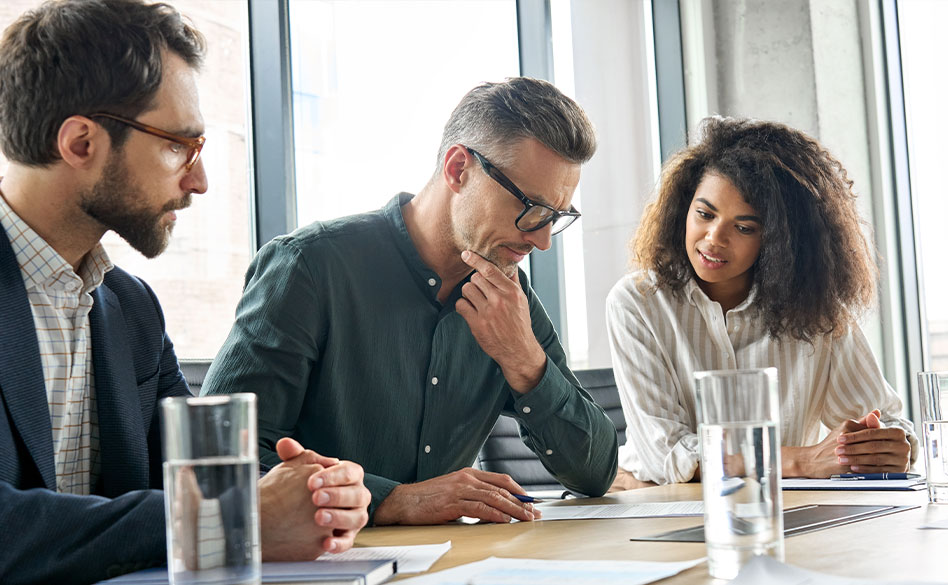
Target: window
199, 278
923, 44
374, 81
617, 94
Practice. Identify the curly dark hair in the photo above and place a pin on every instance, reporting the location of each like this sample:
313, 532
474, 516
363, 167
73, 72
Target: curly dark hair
816, 271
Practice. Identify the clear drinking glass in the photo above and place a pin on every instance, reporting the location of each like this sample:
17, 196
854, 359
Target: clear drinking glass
739, 442
210, 475
933, 401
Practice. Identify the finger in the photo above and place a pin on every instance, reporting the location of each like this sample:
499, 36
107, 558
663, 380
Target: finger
875, 460
501, 480
474, 295
873, 421
899, 447
883, 434
481, 282
341, 519
851, 426
499, 499
288, 448
509, 506
465, 309
353, 496
323, 460
485, 268
339, 542
863, 421
344, 473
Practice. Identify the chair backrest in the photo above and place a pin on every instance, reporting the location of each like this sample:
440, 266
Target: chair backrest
504, 451
601, 385
194, 372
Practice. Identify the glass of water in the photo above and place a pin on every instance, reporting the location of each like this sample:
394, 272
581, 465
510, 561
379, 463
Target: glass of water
933, 401
210, 482
739, 442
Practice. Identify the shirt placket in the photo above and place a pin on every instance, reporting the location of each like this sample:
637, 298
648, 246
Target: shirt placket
429, 447
719, 335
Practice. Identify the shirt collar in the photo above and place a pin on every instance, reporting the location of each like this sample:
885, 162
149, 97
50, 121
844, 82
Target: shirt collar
41, 265
695, 295
428, 278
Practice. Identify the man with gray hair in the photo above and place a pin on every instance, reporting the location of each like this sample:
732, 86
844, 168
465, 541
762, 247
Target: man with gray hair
396, 338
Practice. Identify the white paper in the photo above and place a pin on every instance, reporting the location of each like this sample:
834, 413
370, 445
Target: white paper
936, 524
796, 483
768, 570
411, 559
495, 571
646, 510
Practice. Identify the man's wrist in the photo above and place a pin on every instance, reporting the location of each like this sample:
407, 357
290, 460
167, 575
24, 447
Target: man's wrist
388, 511
525, 374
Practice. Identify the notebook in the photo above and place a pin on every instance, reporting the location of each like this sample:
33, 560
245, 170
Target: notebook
797, 520
322, 572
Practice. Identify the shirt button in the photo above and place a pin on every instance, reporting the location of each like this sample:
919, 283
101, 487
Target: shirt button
427, 448
726, 355
549, 451
432, 282
434, 381
526, 410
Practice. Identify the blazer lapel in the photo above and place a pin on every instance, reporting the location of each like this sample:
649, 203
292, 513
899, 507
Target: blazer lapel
122, 441
21, 369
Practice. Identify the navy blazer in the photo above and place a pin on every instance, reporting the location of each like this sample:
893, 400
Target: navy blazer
48, 537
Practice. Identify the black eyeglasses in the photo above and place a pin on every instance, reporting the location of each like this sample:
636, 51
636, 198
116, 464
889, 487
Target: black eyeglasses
535, 215
194, 145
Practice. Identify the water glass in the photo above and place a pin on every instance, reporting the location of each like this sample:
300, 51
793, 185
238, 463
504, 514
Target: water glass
210, 482
739, 443
933, 401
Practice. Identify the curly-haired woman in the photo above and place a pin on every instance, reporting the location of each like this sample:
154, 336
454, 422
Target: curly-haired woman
753, 255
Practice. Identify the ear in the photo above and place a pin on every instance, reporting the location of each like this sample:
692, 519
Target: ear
455, 162
81, 142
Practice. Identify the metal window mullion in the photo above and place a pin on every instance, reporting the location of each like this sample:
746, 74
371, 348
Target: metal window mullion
913, 327
274, 168
535, 39
669, 76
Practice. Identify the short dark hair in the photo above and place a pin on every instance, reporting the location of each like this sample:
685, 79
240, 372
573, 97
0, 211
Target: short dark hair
816, 270
79, 57
492, 117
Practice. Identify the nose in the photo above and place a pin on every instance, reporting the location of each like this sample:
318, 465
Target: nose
195, 180
716, 235
540, 239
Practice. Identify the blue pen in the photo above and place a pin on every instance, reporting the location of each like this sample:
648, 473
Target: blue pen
527, 499
852, 476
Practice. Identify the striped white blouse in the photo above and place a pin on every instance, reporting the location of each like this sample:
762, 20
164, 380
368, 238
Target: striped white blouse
659, 340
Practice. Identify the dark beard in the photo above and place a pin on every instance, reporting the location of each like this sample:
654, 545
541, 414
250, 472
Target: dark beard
118, 205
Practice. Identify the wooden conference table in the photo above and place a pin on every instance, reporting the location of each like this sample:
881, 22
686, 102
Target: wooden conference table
889, 547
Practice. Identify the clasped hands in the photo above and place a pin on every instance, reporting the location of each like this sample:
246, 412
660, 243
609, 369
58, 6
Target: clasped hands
859, 446
310, 504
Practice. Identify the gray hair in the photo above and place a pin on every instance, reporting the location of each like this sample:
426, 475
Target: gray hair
493, 117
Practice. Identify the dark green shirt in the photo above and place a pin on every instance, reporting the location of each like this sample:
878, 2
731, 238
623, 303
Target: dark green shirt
341, 336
